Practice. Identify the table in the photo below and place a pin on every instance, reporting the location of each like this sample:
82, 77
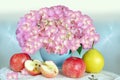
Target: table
103, 75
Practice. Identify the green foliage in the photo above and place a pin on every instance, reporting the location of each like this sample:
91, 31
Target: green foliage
79, 49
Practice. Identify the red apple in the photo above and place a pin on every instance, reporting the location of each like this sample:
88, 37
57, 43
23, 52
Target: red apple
17, 61
73, 67
33, 67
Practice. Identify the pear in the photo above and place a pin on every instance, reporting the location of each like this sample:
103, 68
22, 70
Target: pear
94, 60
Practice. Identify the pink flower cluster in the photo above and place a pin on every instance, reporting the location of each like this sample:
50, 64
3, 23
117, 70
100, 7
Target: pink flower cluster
58, 29
12, 76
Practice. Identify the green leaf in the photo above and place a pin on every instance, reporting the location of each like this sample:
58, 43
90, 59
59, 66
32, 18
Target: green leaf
70, 51
79, 49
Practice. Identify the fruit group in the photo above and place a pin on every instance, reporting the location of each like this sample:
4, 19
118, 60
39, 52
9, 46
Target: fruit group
49, 69
94, 61
73, 67
17, 61
33, 67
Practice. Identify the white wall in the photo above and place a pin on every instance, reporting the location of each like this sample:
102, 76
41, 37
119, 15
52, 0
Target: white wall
89, 6
105, 14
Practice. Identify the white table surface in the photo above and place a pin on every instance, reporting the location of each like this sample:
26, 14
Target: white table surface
103, 75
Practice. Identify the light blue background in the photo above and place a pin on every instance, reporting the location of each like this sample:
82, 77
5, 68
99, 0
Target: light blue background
107, 25
105, 15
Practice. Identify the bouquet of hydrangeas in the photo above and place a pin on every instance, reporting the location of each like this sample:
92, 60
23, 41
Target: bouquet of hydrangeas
57, 29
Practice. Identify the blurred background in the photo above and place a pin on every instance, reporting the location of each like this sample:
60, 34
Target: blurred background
105, 15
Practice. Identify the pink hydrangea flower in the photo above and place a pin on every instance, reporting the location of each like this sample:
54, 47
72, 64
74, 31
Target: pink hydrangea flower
12, 75
58, 29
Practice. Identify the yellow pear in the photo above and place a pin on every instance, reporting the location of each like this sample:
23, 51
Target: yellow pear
94, 61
